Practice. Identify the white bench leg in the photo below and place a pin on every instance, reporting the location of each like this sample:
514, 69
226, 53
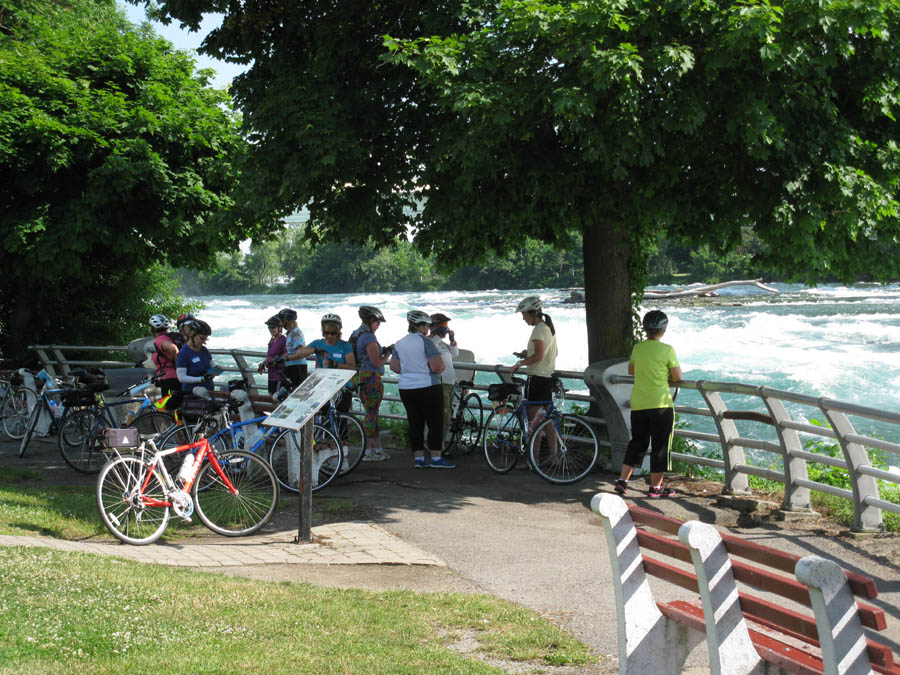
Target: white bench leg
648, 641
840, 631
731, 652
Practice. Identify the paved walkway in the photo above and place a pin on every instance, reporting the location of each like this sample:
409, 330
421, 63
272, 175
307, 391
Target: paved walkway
336, 544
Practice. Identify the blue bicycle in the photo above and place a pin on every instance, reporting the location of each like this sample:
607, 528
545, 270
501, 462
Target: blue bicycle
280, 447
561, 448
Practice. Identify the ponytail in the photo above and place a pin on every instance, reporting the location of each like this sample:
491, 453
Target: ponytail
538, 314
549, 322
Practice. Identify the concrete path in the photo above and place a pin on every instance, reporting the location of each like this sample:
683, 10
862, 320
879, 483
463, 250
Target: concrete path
336, 544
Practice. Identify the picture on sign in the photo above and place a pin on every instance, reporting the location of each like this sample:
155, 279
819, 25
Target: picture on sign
306, 400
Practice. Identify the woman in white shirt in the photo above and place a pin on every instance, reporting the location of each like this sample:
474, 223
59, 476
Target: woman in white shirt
419, 364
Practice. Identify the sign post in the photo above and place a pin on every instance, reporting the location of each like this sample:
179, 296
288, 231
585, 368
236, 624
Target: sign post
296, 412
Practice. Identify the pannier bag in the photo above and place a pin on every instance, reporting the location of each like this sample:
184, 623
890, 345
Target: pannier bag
78, 398
234, 385
500, 391
192, 409
94, 378
120, 438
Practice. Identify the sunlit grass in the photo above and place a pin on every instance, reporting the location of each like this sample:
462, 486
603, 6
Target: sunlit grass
77, 612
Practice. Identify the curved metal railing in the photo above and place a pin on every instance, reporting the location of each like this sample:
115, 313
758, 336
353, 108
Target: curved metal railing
728, 418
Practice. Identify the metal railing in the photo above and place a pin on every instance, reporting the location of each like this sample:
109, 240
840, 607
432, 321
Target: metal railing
610, 388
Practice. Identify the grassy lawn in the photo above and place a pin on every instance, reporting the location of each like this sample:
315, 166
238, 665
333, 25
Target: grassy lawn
67, 512
82, 613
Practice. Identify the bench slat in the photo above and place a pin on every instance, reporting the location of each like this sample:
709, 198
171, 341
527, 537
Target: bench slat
672, 574
861, 586
770, 649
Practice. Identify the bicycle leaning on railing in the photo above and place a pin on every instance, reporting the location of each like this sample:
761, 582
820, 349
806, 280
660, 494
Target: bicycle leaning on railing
49, 404
81, 441
234, 493
16, 400
560, 447
466, 419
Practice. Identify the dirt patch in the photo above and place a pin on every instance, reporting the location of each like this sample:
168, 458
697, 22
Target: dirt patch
371, 577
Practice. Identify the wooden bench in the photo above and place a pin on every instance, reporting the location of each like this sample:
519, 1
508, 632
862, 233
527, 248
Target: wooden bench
744, 633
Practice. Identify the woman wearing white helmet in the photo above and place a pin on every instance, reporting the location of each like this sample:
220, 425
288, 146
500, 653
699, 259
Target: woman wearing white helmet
333, 352
164, 356
419, 364
540, 355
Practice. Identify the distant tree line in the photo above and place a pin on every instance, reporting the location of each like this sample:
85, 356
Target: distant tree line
290, 264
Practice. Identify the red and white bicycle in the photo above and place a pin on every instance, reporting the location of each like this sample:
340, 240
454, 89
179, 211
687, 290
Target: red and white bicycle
234, 493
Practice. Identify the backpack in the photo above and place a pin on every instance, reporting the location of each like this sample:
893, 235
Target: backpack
354, 338
163, 360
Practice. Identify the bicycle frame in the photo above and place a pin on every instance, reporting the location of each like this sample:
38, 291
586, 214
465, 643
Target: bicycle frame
204, 452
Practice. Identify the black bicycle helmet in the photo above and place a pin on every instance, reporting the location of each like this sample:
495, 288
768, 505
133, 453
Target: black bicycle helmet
655, 320
368, 314
287, 314
273, 320
437, 319
198, 327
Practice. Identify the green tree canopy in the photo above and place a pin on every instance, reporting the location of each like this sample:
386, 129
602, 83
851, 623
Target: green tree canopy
115, 155
619, 119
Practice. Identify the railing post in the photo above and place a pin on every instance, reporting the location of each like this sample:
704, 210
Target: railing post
61, 362
614, 401
865, 518
733, 455
796, 498
246, 373
45, 361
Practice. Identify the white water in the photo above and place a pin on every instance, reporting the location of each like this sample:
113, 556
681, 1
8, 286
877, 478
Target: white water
835, 341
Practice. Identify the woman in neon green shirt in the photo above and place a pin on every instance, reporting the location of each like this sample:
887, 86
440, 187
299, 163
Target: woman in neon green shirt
654, 366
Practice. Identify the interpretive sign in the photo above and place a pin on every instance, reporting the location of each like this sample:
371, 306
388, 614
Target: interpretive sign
305, 401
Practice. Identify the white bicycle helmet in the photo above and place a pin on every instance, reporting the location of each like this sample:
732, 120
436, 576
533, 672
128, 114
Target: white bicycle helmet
530, 304
158, 321
332, 318
416, 317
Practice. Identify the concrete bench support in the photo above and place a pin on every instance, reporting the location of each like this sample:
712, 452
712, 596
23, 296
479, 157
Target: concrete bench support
841, 635
648, 641
731, 651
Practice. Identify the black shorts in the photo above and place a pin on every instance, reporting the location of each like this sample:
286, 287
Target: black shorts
539, 389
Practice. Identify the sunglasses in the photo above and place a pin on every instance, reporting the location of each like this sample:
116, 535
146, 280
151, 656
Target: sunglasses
329, 332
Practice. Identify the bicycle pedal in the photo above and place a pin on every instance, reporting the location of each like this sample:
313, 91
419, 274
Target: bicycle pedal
186, 520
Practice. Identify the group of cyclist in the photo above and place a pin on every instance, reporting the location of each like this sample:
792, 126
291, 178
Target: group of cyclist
423, 359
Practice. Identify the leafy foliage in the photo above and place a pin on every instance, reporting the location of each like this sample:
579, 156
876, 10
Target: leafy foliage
114, 156
345, 267
480, 123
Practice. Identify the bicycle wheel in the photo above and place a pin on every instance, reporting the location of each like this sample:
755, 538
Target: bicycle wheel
284, 457
152, 424
15, 411
245, 510
465, 427
31, 425
563, 449
502, 443
123, 492
80, 441
353, 441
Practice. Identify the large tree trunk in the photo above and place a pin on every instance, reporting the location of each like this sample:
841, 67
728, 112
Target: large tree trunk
607, 292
